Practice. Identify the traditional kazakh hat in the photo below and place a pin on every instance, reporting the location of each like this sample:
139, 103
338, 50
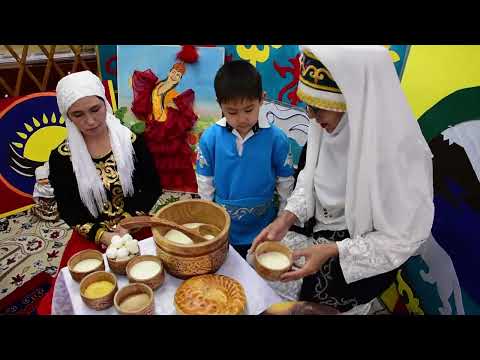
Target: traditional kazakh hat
316, 86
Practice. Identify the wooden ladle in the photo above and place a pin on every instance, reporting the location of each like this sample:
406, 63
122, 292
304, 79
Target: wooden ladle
148, 221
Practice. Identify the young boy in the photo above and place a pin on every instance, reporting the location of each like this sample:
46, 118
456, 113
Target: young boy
242, 159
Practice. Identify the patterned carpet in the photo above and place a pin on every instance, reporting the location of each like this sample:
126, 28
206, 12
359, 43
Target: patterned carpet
169, 197
28, 247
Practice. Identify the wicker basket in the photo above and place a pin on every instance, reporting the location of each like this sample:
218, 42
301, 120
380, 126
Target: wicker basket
184, 261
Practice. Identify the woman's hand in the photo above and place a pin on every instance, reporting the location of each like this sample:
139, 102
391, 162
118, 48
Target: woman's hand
315, 257
276, 231
120, 231
107, 236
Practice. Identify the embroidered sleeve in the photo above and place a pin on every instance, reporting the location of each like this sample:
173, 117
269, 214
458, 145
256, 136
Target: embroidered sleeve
372, 254
297, 202
284, 189
84, 229
91, 231
206, 190
204, 165
282, 156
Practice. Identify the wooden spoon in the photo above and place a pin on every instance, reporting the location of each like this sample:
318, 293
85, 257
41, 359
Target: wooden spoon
144, 221
207, 229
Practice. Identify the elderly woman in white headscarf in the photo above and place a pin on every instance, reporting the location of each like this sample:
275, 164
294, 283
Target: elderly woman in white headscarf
103, 172
367, 181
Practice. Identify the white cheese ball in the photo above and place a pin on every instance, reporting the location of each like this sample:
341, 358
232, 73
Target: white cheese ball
117, 242
132, 246
122, 253
127, 237
111, 252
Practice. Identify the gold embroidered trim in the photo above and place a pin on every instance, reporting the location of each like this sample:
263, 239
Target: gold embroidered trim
84, 229
322, 103
98, 235
320, 87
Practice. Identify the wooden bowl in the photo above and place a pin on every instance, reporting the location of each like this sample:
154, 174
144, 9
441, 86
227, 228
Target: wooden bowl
83, 255
300, 308
184, 261
265, 272
103, 302
153, 282
120, 267
134, 289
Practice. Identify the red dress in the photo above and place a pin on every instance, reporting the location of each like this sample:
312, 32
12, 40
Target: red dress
167, 141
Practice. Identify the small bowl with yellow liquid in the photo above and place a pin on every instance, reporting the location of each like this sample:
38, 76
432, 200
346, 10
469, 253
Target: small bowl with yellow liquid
98, 289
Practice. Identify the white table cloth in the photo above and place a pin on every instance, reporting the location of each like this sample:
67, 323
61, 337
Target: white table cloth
67, 300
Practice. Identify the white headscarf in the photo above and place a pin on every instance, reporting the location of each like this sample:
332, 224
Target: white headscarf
92, 192
389, 189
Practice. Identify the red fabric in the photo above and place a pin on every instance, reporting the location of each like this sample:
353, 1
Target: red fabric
144, 233
400, 308
5, 102
77, 243
11, 200
108, 94
143, 83
21, 292
168, 143
188, 54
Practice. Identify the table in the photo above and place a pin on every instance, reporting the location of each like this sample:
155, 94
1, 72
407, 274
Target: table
67, 300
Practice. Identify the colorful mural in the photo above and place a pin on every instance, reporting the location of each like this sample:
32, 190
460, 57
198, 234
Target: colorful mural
175, 100
293, 121
280, 68
442, 84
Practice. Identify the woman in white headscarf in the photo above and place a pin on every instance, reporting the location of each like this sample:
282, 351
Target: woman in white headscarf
103, 172
367, 181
